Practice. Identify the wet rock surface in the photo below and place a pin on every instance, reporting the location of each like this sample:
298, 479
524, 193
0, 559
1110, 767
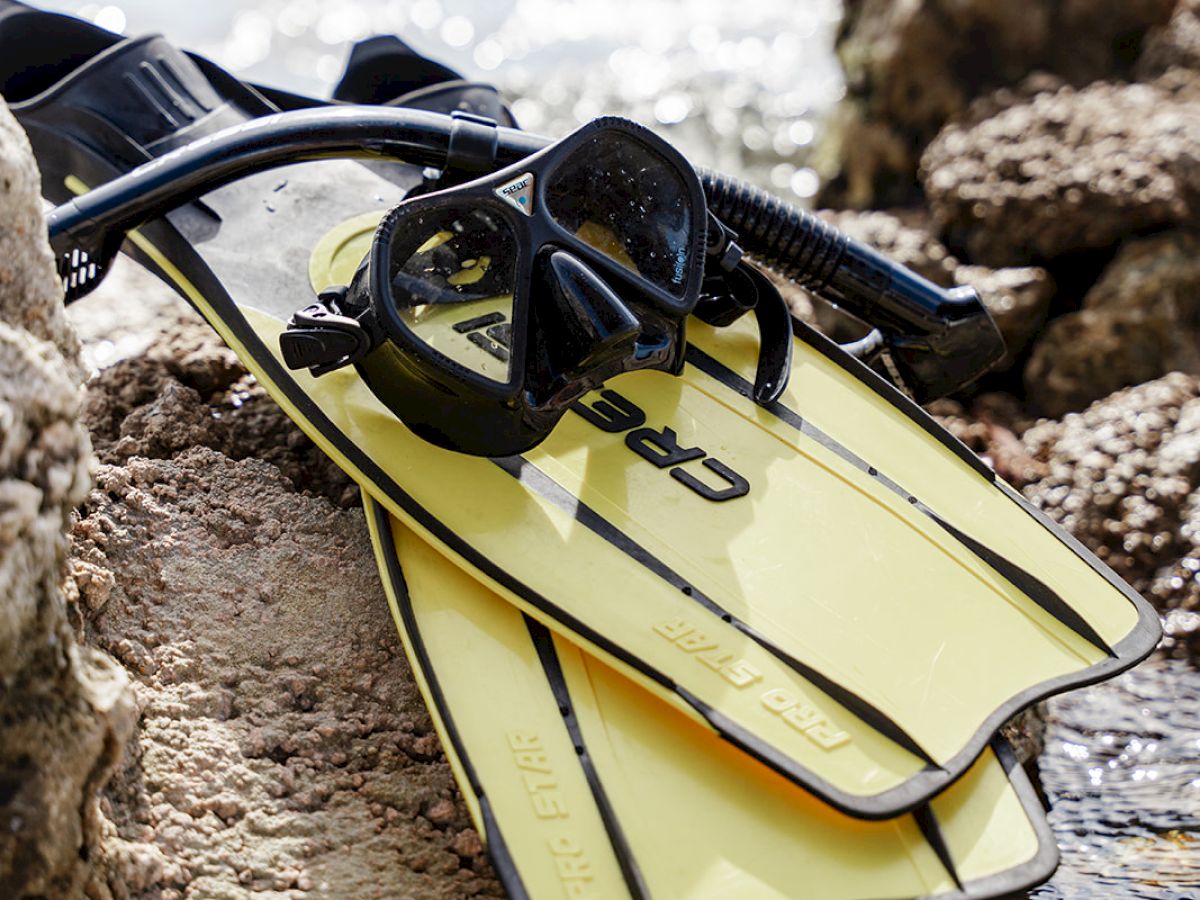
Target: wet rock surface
1119, 770
1119, 764
911, 67
1119, 759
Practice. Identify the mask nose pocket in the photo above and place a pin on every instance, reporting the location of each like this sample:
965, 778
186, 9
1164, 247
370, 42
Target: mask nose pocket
587, 327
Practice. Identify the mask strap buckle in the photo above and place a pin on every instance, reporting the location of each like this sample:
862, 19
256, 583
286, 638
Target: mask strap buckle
321, 339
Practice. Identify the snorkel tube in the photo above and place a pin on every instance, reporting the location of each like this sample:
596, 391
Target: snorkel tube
940, 340
935, 340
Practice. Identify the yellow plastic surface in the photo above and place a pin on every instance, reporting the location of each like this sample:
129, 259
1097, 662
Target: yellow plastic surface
836, 571
702, 821
873, 429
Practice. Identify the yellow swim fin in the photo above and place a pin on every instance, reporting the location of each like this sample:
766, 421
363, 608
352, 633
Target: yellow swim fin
830, 582
584, 785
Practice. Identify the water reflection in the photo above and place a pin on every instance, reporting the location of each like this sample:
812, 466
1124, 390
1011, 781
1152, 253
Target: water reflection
1121, 770
742, 93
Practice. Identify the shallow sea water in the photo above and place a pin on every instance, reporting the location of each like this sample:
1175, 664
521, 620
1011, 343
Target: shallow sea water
1121, 769
745, 94
742, 93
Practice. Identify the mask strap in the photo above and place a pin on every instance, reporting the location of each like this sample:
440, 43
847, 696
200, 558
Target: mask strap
734, 287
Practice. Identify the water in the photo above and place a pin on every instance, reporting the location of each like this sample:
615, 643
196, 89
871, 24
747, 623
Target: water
744, 93
1122, 771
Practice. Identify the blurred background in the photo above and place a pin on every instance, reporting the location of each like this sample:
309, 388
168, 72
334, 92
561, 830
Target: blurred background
741, 93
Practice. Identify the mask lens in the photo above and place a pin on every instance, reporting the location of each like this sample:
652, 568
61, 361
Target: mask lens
625, 200
454, 290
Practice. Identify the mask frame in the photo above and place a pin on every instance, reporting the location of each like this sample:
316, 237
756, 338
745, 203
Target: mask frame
580, 314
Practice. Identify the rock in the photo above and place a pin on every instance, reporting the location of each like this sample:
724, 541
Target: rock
30, 291
187, 389
1140, 321
283, 745
66, 710
1017, 298
1175, 44
1123, 476
282, 737
1024, 179
1176, 587
912, 66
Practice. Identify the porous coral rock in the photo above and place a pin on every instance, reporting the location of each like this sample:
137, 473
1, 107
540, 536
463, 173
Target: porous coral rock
1022, 179
912, 66
1138, 322
66, 710
1176, 44
1123, 477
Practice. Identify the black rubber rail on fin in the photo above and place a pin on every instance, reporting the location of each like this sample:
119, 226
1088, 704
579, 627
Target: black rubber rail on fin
1037, 591
1032, 587
535, 479
497, 848
928, 824
544, 644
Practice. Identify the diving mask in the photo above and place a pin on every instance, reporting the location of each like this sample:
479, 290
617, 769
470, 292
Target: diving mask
482, 312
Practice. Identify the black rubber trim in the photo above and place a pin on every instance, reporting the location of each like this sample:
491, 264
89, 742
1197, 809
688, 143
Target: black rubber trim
1037, 591
1021, 878
493, 837
888, 392
1029, 585
1143, 638
932, 832
550, 490
543, 643
1130, 650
